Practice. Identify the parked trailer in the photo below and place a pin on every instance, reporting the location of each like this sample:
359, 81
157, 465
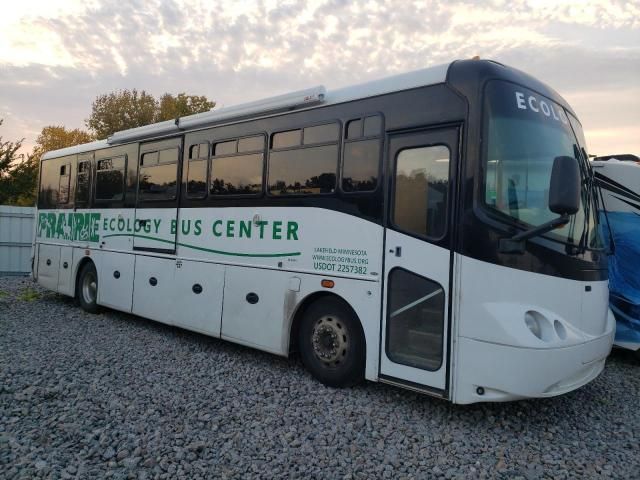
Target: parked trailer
619, 179
432, 230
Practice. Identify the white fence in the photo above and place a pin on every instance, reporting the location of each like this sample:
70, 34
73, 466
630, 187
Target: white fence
16, 234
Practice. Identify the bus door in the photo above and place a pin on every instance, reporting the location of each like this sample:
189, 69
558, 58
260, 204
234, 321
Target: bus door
157, 199
417, 259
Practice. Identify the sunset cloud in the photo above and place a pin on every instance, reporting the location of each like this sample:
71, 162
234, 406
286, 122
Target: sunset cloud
55, 59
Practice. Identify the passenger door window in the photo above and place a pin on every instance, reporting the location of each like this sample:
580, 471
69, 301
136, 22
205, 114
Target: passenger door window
422, 183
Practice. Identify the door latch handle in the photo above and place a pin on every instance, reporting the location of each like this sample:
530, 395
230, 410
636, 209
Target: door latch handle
398, 251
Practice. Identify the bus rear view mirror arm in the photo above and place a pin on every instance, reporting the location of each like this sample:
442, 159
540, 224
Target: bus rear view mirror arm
564, 199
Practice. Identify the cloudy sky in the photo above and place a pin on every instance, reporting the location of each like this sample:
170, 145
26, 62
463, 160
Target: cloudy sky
56, 56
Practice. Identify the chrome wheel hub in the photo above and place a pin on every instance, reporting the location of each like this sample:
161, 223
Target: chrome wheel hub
330, 340
89, 288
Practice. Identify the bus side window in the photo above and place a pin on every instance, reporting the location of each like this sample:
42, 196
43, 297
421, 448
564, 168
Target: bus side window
110, 179
83, 183
197, 170
237, 165
64, 184
304, 162
158, 175
361, 156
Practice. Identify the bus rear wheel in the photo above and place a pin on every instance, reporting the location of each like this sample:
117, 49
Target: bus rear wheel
87, 288
331, 343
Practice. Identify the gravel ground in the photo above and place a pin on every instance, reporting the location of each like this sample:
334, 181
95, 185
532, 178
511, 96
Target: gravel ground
113, 395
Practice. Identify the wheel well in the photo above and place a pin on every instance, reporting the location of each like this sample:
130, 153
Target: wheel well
302, 308
81, 265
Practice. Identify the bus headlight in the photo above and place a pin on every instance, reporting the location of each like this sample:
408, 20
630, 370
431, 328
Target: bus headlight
539, 325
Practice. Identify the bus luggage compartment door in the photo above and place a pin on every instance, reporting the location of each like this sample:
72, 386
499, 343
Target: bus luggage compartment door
417, 259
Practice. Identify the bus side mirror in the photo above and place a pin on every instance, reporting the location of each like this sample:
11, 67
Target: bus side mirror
564, 187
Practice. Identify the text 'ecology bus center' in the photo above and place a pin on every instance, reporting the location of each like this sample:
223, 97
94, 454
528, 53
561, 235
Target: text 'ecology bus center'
86, 227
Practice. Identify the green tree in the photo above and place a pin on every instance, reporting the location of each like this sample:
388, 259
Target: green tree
181, 105
55, 137
18, 176
121, 110
124, 109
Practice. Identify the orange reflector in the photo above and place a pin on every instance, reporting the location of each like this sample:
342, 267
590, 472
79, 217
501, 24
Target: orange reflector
327, 283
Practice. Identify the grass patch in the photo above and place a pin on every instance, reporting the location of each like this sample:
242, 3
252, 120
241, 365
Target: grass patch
3, 294
28, 295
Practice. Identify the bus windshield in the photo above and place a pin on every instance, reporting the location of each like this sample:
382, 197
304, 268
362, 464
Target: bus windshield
525, 133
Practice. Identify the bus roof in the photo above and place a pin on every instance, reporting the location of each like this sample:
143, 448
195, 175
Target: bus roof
309, 98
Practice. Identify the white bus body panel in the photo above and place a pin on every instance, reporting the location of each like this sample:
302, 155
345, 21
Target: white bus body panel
66, 279
154, 301
119, 223
159, 230
200, 312
49, 266
496, 350
260, 324
116, 292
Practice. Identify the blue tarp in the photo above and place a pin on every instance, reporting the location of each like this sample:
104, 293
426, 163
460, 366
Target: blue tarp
624, 274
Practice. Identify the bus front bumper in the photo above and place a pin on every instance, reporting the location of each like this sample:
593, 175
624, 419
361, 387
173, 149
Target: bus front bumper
490, 372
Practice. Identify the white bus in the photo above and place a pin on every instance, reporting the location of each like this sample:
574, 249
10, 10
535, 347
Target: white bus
434, 230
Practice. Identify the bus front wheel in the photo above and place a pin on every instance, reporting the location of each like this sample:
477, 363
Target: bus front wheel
87, 288
331, 343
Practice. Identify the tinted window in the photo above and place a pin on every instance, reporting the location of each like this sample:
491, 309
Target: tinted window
110, 178
49, 184
421, 186
303, 171
286, 139
200, 151
169, 155
197, 178
236, 175
251, 144
158, 182
321, 134
64, 183
83, 182
360, 165
150, 158
372, 126
415, 322
225, 148
354, 129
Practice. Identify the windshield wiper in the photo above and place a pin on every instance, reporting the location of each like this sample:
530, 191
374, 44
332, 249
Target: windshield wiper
587, 174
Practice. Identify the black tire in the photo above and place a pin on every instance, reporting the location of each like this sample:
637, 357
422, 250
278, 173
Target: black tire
87, 288
331, 343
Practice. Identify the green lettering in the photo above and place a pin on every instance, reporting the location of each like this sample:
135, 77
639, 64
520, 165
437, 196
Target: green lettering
245, 229
292, 231
262, 224
217, 223
78, 223
42, 223
230, 226
173, 227
51, 225
197, 227
277, 230
156, 224
62, 224
94, 235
